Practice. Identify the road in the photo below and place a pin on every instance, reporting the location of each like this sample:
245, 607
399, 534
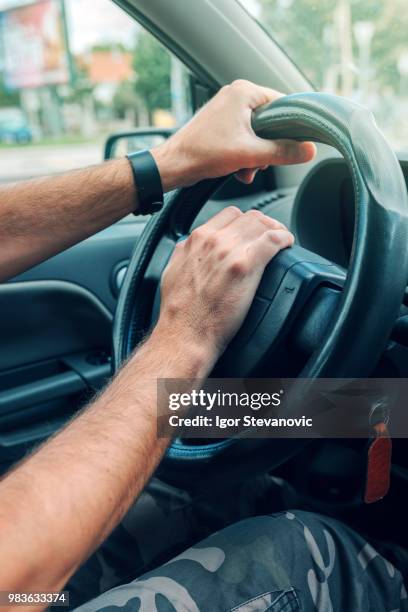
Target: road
17, 163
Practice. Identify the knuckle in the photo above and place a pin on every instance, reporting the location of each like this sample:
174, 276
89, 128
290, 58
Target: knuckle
286, 150
281, 238
279, 149
223, 253
275, 224
199, 234
255, 214
234, 211
276, 237
240, 84
205, 237
211, 240
238, 267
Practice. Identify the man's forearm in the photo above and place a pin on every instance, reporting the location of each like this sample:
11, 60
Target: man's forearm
79, 485
57, 506
42, 217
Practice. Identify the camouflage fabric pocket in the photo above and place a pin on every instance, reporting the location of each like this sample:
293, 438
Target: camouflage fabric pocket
274, 601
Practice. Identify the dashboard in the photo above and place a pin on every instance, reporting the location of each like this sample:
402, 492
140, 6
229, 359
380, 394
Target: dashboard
315, 200
323, 210
320, 211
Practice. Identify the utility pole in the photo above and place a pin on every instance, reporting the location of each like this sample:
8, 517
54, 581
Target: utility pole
70, 60
178, 92
53, 118
363, 32
344, 30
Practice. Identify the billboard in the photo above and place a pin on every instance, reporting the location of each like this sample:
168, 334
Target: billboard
33, 45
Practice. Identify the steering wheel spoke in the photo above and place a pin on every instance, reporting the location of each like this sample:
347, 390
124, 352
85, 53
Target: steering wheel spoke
288, 284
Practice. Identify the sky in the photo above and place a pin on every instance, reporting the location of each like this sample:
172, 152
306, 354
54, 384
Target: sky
94, 21
252, 6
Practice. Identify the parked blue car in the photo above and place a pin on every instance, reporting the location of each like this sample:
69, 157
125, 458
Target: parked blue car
14, 127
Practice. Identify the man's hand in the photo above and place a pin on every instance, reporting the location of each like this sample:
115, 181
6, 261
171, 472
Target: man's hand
41, 218
111, 449
219, 140
100, 462
211, 279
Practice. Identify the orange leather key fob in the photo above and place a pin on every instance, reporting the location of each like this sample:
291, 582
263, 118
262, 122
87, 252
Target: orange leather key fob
378, 464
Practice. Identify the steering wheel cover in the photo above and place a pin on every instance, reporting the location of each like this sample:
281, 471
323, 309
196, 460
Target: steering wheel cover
381, 225
379, 259
199, 452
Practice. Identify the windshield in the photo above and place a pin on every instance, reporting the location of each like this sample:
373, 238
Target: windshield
355, 48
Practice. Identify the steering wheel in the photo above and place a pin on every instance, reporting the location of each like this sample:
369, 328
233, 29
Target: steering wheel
340, 321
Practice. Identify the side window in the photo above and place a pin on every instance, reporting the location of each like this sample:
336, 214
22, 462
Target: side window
74, 72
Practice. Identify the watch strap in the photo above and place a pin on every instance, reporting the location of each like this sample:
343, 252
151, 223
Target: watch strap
147, 180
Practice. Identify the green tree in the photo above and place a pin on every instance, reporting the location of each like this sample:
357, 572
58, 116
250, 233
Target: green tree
152, 65
299, 27
306, 29
82, 88
111, 46
125, 99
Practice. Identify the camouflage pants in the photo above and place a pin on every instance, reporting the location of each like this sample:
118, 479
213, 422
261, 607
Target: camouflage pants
291, 560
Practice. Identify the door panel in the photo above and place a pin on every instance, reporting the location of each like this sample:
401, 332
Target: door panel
41, 320
91, 263
55, 327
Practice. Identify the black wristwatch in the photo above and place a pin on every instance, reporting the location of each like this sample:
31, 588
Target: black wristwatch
147, 181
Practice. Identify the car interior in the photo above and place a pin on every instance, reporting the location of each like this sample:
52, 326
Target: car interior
69, 322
